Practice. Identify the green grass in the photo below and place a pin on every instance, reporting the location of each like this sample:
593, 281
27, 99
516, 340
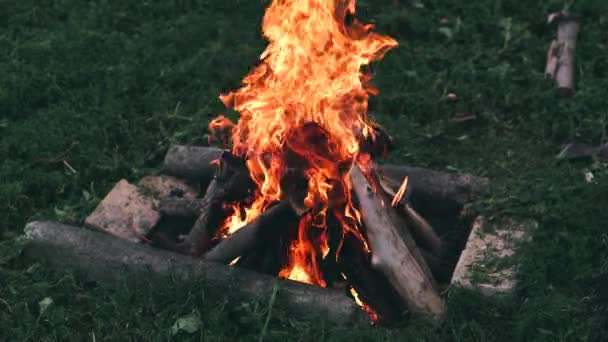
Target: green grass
106, 86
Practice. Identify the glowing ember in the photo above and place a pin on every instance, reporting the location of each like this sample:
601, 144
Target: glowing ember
400, 193
372, 314
304, 107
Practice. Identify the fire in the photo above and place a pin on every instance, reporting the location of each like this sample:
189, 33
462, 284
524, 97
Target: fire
304, 108
400, 193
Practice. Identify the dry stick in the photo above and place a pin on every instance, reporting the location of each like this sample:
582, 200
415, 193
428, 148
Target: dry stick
421, 229
103, 257
394, 252
560, 56
246, 238
198, 239
231, 182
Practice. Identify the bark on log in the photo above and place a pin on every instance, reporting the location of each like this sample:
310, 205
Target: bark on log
560, 57
108, 259
421, 230
191, 162
394, 253
459, 188
199, 238
245, 239
179, 207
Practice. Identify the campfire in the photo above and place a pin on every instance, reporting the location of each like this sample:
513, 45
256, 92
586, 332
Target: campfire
293, 190
297, 193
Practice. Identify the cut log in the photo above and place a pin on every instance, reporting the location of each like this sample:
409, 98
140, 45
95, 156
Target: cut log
245, 239
193, 162
371, 286
560, 57
231, 182
458, 188
421, 229
104, 258
179, 207
199, 238
394, 253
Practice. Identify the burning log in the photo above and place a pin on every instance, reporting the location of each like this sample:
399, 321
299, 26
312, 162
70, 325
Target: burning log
108, 259
193, 162
560, 56
246, 238
230, 182
394, 252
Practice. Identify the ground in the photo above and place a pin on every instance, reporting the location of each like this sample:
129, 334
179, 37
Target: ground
93, 91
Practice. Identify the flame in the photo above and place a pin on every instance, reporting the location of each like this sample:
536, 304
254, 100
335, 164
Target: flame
304, 109
373, 315
400, 193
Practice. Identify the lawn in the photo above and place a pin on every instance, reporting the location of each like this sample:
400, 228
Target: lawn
93, 91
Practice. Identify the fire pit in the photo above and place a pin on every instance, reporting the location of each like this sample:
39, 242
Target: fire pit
295, 192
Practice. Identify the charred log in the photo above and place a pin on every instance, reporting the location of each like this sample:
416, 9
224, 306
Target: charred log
394, 252
104, 258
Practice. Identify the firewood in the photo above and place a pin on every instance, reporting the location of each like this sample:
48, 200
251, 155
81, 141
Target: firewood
371, 286
193, 162
231, 182
394, 252
104, 258
560, 56
440, 186
420, 228
179, 207
247, 237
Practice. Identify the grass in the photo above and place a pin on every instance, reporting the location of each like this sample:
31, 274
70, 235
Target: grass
103, 87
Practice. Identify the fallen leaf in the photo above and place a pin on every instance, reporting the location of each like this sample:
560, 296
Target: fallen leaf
446, 31
589, 176
190, 323
44, 304
462, 117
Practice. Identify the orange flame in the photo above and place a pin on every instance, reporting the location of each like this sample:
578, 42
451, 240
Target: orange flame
400, 193
304, 107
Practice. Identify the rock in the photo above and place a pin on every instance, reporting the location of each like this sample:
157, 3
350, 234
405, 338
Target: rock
167, 186
486, 263
125, 212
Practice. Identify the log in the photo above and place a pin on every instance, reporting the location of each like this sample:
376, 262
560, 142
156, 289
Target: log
191, 162
421, 229
180, 207
458, 188
394, 252
560, 56
198, 239
231, 182
104, 258
244, 240
371, 286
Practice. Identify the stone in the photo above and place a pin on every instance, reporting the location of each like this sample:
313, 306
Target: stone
168, 186
125, 212
486, 263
